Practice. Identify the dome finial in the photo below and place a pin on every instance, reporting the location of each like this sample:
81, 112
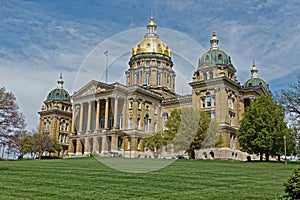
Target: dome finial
60, 82
254, 71
151, 27
214, 41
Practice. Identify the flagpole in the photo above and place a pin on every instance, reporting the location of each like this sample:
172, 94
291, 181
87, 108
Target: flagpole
106, 67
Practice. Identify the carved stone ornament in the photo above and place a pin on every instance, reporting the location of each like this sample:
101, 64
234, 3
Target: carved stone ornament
93, 90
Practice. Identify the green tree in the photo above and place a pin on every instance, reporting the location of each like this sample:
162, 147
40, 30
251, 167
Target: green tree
262, 129
155, 143
292, 187
187, 129
42, 143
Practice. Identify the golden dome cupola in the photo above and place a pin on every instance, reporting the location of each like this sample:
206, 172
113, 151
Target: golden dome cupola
151, 44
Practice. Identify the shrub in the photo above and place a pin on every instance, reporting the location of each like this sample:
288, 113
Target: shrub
292, 187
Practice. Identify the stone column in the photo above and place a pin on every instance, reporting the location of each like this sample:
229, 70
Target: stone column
106, 113
89, 119
71, 147
115, 127
114, 143
78, 147
98, 116
134, 144
86, 146
73, 119
81, 118
95, 145
104, 144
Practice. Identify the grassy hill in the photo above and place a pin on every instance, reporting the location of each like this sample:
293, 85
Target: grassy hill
87, 178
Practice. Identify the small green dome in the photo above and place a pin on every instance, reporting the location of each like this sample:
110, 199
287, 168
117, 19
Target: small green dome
58, 94
254, 82
216, 57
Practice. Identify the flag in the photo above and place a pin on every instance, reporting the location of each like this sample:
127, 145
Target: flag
106, 53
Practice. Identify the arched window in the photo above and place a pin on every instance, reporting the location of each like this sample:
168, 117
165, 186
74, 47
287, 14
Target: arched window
165, 119
147, 79
130, 105
211, 75
137, 78
146, 123
130, 122
138, 123
208, 99
204, 76
207, 59
220, 59
120, 122
158, 78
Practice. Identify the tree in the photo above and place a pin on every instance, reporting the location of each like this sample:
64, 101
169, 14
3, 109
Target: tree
262, 129
155, 143
290, 99
10, 118
292, 187
187, 129
42, 143
16, 142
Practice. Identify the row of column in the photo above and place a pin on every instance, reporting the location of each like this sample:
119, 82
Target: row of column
89, 116
83, 145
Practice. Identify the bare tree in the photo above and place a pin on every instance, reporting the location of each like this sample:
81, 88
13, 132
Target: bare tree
11, 120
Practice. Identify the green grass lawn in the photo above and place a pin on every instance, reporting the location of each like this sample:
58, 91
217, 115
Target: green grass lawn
87, 178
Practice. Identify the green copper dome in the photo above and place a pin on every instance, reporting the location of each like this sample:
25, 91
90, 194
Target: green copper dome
215, 55
255, 81
59, 94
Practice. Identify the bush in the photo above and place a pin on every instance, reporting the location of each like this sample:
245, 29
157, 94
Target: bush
292, 187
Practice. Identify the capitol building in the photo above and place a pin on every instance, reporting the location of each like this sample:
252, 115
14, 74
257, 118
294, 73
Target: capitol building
112, 119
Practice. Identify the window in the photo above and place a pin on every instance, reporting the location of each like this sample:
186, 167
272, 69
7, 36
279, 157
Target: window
207, 59
120, 121
139, 105
147, 63
158, 63
137, 78
202, 102
208, 99
147, 79
130, 122
213, 99
155, 127
165, 119
138, 123
147, 122
158, 78
204, 76
230, 103
130, 105
231, 117
211, 75
220, 59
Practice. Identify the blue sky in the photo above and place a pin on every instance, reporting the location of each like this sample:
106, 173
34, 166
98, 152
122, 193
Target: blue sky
40, 39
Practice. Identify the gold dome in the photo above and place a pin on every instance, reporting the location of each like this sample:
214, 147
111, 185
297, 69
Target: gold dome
151, 43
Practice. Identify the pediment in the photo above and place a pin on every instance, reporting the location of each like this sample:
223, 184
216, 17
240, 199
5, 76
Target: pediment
92, 88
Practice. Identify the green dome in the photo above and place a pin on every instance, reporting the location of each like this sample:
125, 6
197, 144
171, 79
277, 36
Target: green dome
58, 94
254, 82
216, 57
